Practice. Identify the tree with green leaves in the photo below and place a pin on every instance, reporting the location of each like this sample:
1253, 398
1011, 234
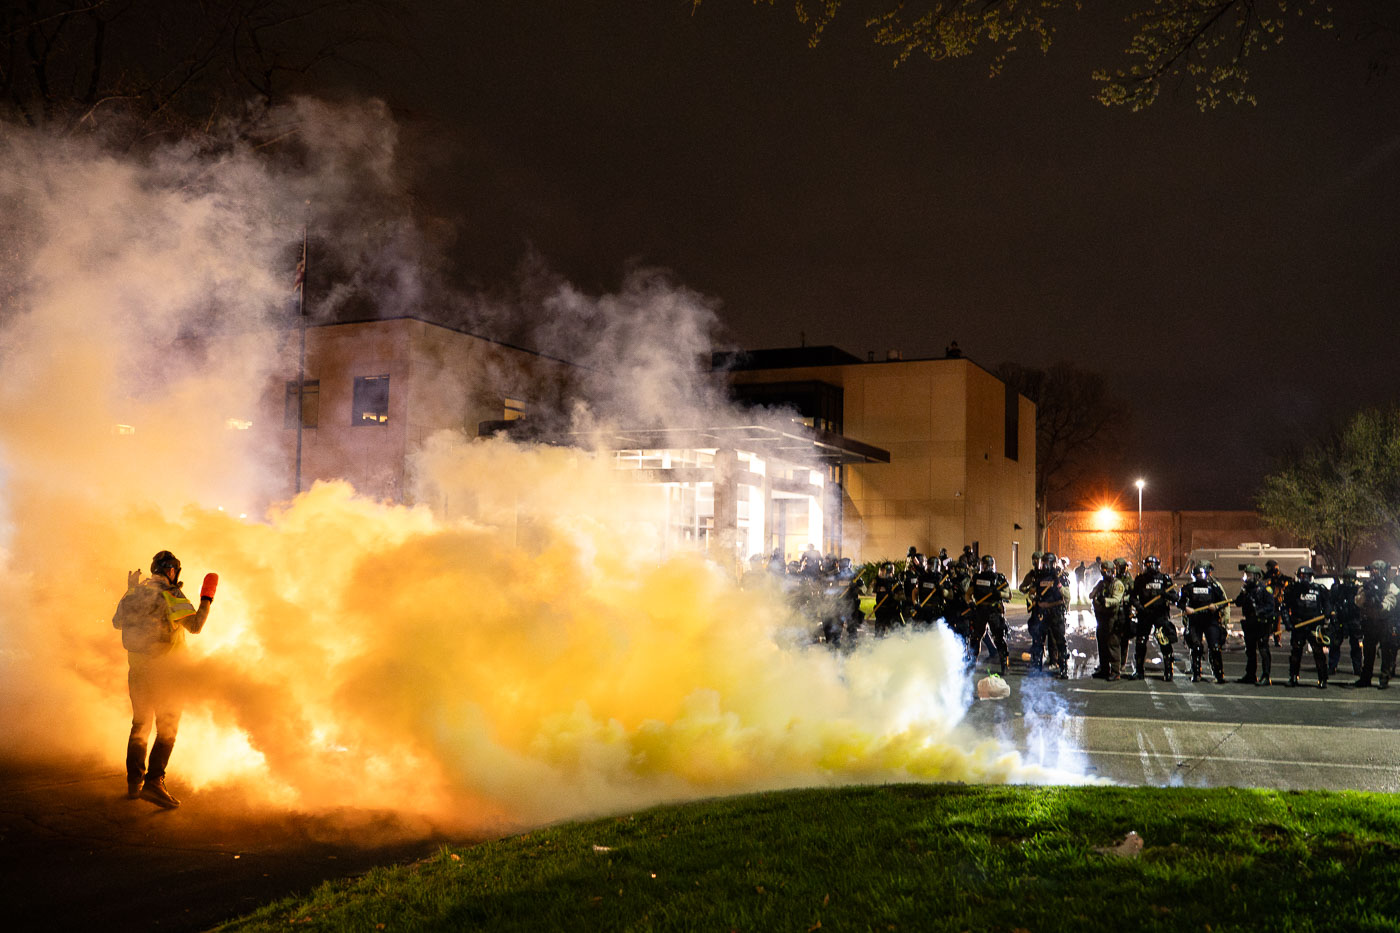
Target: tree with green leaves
1342, 491
1210, 43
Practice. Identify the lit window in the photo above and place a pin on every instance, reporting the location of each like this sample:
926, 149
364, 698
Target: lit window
237, 424
515, 408
310, 404
371, 400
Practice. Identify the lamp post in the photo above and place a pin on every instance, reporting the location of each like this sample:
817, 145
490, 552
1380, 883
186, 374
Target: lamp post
1139, 484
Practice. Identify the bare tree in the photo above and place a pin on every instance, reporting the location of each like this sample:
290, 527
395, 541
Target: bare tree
1076, 421
155, 67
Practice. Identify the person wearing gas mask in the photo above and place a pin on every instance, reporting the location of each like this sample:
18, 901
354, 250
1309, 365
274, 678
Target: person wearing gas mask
989, 592
153, 617
1050, 587
1152, 598
1108, 597
1257, 605
1205, 607
1035, 628
1306, 610
1346, 622
1378, 603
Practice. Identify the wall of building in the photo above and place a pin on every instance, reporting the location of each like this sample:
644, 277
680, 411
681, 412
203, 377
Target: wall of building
948, 482
439, 379
1171, 535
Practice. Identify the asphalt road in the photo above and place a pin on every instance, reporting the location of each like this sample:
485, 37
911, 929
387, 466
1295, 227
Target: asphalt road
76, 855
1202, 734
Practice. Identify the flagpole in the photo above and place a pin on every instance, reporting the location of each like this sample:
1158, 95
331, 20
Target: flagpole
301, 358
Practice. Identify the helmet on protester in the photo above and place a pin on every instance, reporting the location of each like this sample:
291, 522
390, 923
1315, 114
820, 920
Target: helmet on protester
163, 562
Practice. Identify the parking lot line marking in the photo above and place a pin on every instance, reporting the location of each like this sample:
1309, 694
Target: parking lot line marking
1234, 723
1257, 761
1249, 696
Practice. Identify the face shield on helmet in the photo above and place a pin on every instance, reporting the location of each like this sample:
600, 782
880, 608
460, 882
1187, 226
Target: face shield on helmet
1198, 573
1152, 562
989, 563
1305, 573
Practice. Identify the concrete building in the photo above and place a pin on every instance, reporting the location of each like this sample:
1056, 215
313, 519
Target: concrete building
375, 390
1109, 532
961, 445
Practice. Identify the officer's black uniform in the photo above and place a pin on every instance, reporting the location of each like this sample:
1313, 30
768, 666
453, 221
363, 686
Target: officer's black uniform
1203, 605
1346, 622
928, 595
1152, 599
989, 591
888, 591
1306, 611
1050, 584
1378, 603
1260, 608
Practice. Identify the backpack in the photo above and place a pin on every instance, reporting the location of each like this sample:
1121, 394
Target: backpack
144, 623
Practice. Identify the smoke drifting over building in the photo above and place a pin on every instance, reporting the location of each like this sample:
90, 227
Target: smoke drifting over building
358, 648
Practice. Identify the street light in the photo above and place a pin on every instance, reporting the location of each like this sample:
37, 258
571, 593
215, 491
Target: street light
1139, 484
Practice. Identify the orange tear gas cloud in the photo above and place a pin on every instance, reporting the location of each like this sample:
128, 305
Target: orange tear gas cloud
527, 661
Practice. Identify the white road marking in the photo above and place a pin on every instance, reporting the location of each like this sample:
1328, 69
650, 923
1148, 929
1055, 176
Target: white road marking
1272, 697
1253, 761
1234, 725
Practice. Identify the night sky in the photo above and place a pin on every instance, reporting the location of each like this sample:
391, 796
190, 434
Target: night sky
1233, 273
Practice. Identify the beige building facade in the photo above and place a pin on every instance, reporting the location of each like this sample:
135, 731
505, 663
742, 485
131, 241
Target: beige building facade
961, 445
376, 390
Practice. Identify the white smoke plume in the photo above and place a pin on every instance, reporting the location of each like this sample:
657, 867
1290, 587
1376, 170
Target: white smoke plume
529, 660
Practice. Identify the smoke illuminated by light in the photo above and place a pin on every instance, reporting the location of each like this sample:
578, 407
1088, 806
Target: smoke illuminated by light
358, 648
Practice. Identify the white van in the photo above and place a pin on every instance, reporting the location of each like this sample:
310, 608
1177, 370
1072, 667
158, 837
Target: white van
1228, 561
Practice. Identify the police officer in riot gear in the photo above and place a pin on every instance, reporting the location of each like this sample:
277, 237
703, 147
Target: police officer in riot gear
888, 591
927, 596
1109, 599
1206, 607
1152, 599
1346, 622
989, 592
1257, 604
1050, 590
957, 611
1034, 625
1378, 603
1306, 611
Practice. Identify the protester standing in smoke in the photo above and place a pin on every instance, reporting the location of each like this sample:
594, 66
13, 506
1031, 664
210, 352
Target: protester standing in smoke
153, 617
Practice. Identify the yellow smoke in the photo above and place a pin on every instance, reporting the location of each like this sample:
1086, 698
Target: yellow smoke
529, 659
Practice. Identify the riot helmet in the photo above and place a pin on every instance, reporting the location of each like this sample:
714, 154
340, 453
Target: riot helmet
1380, 568
1305, 573
1152, 562
1198, 572
989, 563
1348, 574
1270, 566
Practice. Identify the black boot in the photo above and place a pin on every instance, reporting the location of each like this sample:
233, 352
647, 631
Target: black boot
153, 789
135, 765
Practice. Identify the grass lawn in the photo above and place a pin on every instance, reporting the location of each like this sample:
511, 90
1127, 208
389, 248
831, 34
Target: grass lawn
907, 857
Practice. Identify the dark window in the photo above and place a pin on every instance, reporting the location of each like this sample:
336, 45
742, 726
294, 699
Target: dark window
514, 409
310, 404
371, 400
1013, 424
